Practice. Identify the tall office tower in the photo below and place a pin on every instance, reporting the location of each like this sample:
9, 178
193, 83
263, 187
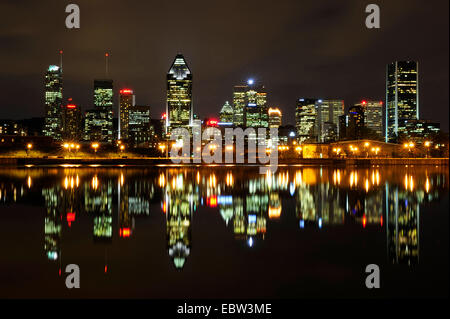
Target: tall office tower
140, 132
328, 111
239, 105
226, 113
101, 118
402, 96
373, 115
355, 122
126, 101
274, 117
179, 107
250, 105
53, 102
71, 119
305, 118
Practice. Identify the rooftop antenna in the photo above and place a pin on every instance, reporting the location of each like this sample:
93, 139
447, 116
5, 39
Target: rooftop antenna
60, 59
106, 62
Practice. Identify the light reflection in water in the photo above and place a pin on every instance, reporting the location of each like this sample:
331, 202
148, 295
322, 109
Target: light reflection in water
389, 199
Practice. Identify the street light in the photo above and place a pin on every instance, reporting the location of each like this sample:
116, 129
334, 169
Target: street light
162, 147
409, 146
366, 145
122, 147
375, 150
95, 146
427, 145
29, 147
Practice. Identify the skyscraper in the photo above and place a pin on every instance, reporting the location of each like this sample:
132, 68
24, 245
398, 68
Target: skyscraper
53, 102
305, 118
355, 122
126, 101
327, 119
373, 114
402, 96
226, 113
179, 107
274, 117
99, 122
71, 119
250, 105
139, 127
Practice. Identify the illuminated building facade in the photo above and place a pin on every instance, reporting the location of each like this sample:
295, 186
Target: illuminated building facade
53, 101
422, 129
327, 114
373, 115
305, 119
179, 107
72, 120
126, 101
140, 131
250, 105
226, 113
275, 116
402, 97
99, 121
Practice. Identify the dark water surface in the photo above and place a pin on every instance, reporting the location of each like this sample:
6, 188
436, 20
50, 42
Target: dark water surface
223, 232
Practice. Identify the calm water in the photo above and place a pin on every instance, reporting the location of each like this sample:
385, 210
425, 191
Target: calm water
218, 232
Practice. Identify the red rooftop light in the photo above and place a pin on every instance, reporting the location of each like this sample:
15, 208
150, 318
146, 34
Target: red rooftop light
126, 91
212, 122
71, 106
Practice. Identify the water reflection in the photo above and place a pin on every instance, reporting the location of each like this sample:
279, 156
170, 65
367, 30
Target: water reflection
382, 199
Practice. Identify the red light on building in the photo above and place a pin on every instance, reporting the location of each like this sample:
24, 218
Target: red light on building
70, 218
212, 122
126, 91
381, 220
106, 269
364, 221
164, 116
124, 232
211, 201
381, 102
364, 102
71, 106
107, 54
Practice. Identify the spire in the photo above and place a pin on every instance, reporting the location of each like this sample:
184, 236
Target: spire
106, 62
61, 59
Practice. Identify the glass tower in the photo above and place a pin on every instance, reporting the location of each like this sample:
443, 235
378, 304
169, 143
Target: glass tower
179, 107
402, 96
53, 102
305, 117
373, 114
250, 105
103, 102
126, 101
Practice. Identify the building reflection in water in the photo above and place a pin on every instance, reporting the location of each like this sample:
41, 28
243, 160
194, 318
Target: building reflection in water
386, 199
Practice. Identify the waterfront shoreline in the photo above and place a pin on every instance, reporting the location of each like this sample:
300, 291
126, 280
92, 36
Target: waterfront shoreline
23, 161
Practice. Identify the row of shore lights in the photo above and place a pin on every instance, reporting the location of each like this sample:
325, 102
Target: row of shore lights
71, 146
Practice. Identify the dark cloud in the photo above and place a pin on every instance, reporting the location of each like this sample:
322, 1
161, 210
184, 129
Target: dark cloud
297, 48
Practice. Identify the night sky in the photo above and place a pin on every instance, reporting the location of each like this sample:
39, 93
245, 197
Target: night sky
296, 48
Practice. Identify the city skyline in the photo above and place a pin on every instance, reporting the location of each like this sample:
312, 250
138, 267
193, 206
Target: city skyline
286, 71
